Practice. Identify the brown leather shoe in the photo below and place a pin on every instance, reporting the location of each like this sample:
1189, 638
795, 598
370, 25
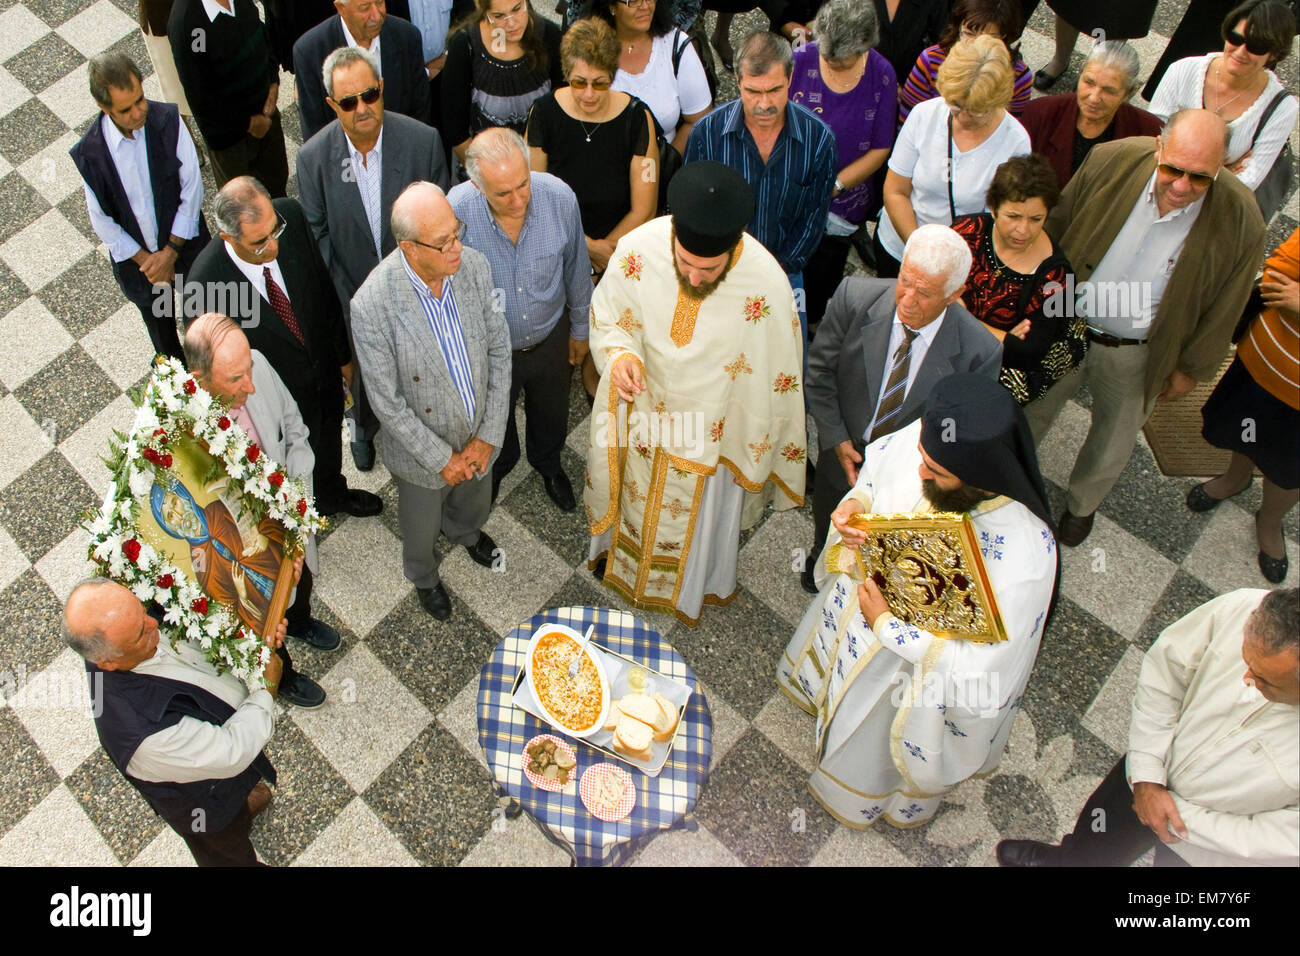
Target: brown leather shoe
1073, 528
259, 798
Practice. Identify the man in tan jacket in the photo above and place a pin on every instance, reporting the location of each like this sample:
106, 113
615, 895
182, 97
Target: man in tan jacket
1164, 244
1213, 762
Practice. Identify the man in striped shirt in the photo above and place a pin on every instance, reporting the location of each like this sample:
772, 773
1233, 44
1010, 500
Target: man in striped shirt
786, 154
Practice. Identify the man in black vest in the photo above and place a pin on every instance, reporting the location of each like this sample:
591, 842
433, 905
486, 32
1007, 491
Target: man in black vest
275, 285
144, 193
189, 739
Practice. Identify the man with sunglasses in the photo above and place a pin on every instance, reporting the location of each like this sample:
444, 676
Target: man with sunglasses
436, 350
1165, 244
394, 43
349, 174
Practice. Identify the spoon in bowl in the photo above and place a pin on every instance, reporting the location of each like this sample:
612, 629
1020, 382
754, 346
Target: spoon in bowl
573, 665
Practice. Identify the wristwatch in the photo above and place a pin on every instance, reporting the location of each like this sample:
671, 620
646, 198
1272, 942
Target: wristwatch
175, 246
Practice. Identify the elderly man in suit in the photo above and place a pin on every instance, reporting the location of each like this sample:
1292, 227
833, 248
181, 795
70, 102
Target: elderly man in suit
275, 285
881, 347
396, 44
1165, 245
144, 193
218, 354
437, 353
349, 174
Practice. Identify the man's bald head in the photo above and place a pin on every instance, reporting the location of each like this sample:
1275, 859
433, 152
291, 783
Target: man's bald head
1202, 130
105, 624
218, 353
1189, 154
426, 229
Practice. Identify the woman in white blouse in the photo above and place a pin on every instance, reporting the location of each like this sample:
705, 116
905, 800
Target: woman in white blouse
966, 127
1239, 85
647, 40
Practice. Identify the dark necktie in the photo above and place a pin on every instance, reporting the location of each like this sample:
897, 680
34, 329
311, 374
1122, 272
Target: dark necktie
891, 402
280, 302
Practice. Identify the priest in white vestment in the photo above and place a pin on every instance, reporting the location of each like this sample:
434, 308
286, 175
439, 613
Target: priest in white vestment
903, 715
699, 416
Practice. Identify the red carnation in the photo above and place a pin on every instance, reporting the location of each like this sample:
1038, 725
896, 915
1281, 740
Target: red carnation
223, 423
253, 452
160, 435
148, 454
275, 478
166, 460
302, 507
166, 581
131, 549
199, 605
189, 387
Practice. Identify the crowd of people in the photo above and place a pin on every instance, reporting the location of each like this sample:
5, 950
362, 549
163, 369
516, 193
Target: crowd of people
487, 203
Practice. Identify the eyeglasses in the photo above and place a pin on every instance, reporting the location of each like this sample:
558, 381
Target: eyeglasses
581, 83
276, 233
1199, 180
633, 4
955, 108
349, 103
1253, 47
446, 244
503, 17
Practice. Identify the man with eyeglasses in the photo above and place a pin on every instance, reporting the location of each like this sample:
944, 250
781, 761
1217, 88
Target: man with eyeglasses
436, 351
529, 227
276, 287
1165, 244
349, 174
394, 43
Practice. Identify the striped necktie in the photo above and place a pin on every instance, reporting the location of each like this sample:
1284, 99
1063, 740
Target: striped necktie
891, 402
280, 302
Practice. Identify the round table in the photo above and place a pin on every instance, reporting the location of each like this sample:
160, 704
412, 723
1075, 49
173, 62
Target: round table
662, 802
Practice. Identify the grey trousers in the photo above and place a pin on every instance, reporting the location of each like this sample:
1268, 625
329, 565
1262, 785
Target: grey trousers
1116, 377
458, 511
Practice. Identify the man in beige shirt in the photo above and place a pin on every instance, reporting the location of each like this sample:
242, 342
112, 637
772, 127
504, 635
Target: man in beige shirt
1214, 748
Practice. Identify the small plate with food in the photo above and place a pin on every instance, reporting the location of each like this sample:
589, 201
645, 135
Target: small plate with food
607, 792
576, 705
549, 763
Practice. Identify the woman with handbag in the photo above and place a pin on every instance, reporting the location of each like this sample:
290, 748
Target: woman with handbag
1254, 411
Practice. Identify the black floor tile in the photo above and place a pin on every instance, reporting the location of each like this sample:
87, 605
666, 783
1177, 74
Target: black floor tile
28, 130
41, 507
308, 795
69, 392
20, 205
26, 777
32, 618
48, 59
126, 822
84, 295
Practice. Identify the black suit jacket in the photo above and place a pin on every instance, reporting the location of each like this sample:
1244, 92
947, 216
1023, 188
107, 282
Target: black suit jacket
848, 360
306, 371
401, 59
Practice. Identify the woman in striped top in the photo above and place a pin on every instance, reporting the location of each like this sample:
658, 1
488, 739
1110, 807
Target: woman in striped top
1255, 411
969, 19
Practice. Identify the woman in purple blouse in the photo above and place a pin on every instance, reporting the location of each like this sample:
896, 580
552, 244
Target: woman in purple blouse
854, 91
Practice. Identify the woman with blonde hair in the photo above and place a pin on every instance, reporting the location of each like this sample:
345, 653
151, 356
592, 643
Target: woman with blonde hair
949, 147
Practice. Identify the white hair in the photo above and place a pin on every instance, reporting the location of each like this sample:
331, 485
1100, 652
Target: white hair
404, 221
938, 251
345, 56
493, 146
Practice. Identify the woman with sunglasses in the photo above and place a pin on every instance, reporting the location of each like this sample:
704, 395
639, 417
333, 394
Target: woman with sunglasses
949, 148
1239, 85
969, 19
647, 43
502, 59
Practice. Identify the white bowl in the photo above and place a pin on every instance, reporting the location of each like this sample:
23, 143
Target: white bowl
595, 660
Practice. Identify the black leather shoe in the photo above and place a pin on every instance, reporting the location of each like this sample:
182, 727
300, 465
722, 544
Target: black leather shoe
435, 601
559, 490
363, 454
362, 504
302, 692
1045, 81
483, 551
1026, 853
1072, 528
598, 572
1199, 500
1273, 569
806, 580
320, 636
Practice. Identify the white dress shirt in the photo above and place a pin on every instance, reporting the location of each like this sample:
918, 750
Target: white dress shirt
131, 160
432, 18
1124, 291
253, 273
214, 10
368, 171
193, 749
373, 49
920, 345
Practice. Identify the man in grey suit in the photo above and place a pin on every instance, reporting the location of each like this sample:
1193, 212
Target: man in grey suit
437, 356
881, 347
349, 174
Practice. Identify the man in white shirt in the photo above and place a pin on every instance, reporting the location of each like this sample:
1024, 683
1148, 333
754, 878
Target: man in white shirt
144, 193
189, 739
1212, 773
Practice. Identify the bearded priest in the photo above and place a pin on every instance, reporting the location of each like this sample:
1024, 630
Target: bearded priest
699, 416
903, 714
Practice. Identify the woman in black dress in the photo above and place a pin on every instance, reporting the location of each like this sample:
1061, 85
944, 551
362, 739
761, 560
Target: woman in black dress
1101, 19
1017, 280
501, 60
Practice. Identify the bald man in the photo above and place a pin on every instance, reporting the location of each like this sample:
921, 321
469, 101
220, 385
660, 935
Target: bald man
189, 739
435, 354
1165, 244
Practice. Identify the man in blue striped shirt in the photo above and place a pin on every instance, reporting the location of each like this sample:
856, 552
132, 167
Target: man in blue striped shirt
786, 154
529, 227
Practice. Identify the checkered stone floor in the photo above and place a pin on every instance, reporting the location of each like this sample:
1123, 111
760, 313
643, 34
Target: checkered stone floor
389, 771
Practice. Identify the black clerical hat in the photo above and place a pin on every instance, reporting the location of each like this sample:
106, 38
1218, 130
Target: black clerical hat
711, 205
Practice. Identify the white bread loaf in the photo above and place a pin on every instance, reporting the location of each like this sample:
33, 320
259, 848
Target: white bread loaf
666, 723
640, 707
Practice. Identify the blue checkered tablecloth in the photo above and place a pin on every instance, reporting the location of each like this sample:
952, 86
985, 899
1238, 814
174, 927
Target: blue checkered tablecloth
662, 802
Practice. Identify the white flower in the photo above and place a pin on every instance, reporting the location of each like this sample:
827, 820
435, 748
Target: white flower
148, 557
140, 481
143, 589
146, 420
124, 509
174, 613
